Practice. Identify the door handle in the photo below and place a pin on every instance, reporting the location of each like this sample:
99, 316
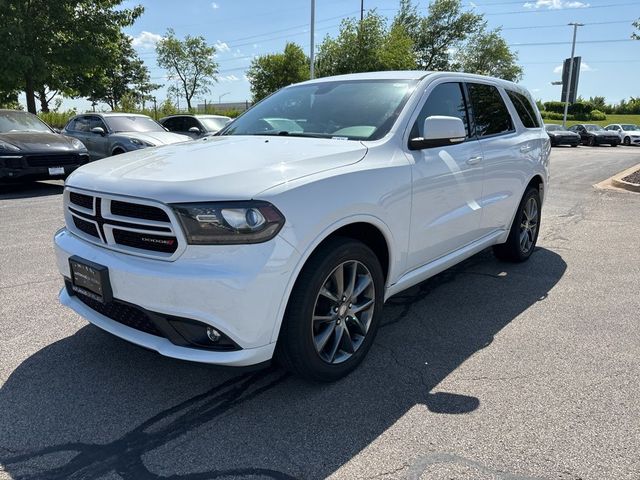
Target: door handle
474, 160
526, 148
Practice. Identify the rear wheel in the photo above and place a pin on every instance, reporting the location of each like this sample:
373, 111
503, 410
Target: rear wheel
524, 231
333, 313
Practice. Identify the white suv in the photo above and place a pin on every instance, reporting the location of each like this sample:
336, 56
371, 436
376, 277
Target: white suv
285, 235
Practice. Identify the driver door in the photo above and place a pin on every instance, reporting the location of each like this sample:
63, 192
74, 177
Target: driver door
447, 183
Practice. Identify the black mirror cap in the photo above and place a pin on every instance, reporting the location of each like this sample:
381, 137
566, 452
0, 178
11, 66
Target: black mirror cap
420, 143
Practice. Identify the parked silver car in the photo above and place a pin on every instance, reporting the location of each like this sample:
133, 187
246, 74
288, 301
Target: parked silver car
106, 134
195, 126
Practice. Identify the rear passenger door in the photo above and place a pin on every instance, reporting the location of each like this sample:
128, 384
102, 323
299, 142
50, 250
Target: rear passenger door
447, 182
504, 154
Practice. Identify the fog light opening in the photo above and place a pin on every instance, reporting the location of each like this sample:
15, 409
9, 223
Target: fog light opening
213, 335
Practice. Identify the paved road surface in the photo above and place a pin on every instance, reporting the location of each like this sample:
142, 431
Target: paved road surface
488, 371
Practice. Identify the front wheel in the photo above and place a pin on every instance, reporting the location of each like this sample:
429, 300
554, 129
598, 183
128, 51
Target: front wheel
591, 142
575, 146
333, 312
524, 231
614, 144
627, 141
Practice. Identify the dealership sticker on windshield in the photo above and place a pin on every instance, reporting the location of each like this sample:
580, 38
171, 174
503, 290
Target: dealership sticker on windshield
56, 170
339, 138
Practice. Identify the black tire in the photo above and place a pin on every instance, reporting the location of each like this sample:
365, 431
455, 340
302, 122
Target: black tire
574, 146
614, 144
512, 250
591, 142
627, 141
296, 350
117, 151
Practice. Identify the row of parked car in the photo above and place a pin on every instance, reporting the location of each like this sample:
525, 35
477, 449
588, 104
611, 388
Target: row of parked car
593, 135
32, 150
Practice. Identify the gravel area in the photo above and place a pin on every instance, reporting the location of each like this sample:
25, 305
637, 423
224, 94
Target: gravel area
633, 178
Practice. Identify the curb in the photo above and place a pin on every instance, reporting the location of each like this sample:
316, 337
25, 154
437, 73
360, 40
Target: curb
617, 181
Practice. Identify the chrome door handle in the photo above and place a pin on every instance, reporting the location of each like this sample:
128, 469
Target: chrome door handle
474, 160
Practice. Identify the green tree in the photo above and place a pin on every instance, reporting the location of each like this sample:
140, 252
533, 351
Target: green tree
365, 46
636, 35
487, 53
57, 45
269, 73
126, 76
190, 63
9, 100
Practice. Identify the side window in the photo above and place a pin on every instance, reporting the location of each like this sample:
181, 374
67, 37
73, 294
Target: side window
173, 124
71, 126
445, 99
82, 124
525, 110
96, 122
490, 113
190, 122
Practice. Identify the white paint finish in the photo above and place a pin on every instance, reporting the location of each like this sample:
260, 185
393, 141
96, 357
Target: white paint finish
434, 208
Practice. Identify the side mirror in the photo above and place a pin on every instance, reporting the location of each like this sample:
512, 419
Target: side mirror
194, 130
439, 131
98, 130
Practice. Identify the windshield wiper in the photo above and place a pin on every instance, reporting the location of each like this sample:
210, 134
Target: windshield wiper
285, 133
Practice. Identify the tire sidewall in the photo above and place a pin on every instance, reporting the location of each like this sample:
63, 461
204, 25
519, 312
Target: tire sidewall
530, 193
300, 310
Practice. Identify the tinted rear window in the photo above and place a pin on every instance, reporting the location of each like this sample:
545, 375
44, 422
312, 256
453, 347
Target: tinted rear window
490, 112
525, 110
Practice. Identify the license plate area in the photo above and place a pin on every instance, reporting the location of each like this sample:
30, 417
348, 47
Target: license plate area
90, 279
56, 170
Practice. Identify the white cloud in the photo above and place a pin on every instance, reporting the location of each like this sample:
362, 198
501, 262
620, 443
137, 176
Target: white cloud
228, 78
215, 6
221, 46
146, 40
237, 53
584, 67
555, 4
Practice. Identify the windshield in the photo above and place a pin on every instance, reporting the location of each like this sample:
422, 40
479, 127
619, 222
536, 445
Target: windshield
348, 110
630, 126
214, 124
593, 128
133, 124
21, 122
553, 128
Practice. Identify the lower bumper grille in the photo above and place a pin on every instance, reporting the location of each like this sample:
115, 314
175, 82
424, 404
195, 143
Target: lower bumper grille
53, 160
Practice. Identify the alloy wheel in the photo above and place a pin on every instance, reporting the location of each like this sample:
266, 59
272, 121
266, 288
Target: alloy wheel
343, 312
529, 225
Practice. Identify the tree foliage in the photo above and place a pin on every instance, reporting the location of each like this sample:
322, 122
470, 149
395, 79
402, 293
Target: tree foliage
365, 46
636, 35
190, 63
487, 53
125, 77
269, 73
59, 45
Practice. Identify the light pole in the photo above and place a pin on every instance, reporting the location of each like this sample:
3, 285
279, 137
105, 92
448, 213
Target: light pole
312, 42
570, 79
222, 95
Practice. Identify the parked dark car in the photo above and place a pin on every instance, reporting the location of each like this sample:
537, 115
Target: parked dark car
561, 136
195, 126
107, 134
31, 150
593, 135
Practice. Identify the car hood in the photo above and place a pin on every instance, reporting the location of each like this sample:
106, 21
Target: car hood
632, 132
562, 132
157, 138
38, 141
215, 168
605, 133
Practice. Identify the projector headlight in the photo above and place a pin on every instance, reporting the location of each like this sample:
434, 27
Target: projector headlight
227, 223
141, 143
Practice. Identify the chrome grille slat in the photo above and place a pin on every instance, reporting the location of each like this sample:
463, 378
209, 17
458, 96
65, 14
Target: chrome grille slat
91, 216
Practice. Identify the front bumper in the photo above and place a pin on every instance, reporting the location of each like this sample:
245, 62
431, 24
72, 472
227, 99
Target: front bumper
607, 140
239, 290
565, 140
15, 167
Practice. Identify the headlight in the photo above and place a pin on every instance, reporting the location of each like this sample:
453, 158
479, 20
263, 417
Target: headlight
7, 147
141, 143
77, 144
225, 223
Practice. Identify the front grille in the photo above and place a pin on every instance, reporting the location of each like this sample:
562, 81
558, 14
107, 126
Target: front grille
137, 210
122, 224
86, 227
122, 313
52, 160
81, 200
146, 241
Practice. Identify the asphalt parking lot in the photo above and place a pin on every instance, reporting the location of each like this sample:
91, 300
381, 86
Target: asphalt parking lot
487, 371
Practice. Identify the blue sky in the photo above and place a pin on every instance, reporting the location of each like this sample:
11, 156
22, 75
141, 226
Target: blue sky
243, 29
